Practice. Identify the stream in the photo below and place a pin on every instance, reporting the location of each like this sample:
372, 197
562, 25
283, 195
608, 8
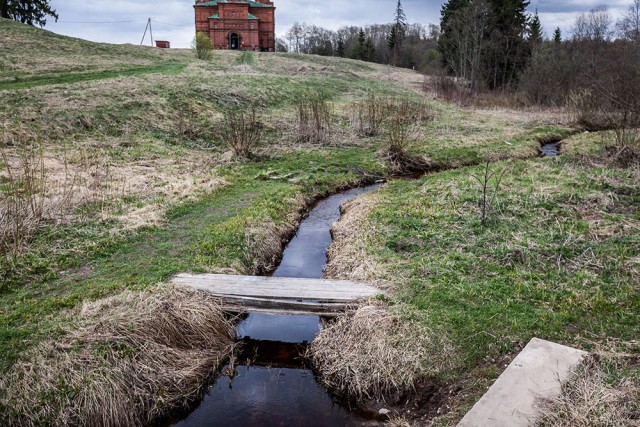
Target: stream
550, 150
272, 384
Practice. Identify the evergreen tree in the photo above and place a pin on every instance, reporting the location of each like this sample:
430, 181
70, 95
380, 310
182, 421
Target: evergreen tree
370, 50
557, 36
360, 51
398, 32
506, 50
535, 29
32, 12
340, 48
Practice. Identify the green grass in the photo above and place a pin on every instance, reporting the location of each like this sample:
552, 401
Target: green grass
207, 235
69, 78
558, 259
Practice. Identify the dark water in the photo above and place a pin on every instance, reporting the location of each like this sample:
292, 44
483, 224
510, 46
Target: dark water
550, 150
273, 386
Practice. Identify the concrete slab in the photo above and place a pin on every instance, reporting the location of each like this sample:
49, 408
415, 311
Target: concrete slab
537, 371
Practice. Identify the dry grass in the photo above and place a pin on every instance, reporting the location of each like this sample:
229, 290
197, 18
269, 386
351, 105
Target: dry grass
347, 258
596, 395
131, 359
46, 184
379, 351
268, 239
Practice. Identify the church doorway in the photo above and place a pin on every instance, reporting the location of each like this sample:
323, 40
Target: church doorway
234, 41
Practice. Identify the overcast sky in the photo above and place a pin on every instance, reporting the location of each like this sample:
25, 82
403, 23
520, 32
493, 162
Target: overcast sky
173, 20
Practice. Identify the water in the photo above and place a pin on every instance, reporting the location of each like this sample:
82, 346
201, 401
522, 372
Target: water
273, 384
550, 150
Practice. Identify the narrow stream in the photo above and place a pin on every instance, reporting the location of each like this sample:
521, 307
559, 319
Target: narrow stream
273, 385
550, 150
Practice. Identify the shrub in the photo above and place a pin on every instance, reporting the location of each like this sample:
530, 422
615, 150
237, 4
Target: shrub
202, 46
241, 131
368, 115
314, 119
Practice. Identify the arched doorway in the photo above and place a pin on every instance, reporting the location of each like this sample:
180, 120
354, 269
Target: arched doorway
234, 41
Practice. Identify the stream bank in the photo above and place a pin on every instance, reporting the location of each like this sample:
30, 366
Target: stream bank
271, 383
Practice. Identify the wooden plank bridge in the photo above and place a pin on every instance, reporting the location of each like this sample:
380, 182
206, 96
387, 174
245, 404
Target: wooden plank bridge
280, 295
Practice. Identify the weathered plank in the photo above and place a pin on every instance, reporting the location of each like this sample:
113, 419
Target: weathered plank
537, 371
280, 294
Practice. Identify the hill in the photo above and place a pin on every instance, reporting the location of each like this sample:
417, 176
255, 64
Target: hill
123, 165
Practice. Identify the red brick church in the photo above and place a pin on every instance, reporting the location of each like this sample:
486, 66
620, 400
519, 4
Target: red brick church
238, 24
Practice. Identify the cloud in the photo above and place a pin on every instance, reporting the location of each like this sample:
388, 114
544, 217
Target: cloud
173, 19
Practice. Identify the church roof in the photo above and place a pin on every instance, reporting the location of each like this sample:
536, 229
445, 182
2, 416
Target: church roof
250, 2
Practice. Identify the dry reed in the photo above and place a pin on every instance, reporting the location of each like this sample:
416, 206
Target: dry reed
131, 359
368, 114
379, 351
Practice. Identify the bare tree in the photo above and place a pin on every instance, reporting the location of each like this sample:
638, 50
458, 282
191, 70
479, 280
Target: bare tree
465, 48
594, 26
629, 25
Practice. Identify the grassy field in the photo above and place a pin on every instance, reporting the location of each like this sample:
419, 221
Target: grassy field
118, 149
558, 258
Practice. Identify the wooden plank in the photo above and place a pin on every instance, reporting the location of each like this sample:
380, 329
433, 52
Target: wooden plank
278, 304
278, 287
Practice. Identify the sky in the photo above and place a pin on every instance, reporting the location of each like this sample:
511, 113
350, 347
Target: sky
119, 21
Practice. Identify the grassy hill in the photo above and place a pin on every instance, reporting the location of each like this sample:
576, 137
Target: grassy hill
116, 173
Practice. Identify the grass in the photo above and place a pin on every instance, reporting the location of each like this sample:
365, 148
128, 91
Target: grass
69, 78
558, 259
603, 391
137, 127
212, 234
148, 351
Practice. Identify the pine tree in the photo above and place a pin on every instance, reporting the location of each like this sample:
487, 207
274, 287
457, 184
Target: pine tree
340, 48
557, 36
397, 33
360, 52
535, 29
506, 50
31, 12
370, 50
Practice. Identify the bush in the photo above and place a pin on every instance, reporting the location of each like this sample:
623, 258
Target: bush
314, 120
368, 115
202, 46
241, 131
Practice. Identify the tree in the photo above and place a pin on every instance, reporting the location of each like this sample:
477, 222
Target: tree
370, 50
593, 26
629, 25
281, 45
465, 45
202, 46
535, 29
504, 47
361, 49
340, 48
31, 12
557, 36
398, 32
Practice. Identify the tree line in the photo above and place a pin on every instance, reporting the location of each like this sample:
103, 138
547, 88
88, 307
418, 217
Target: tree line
408, 45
